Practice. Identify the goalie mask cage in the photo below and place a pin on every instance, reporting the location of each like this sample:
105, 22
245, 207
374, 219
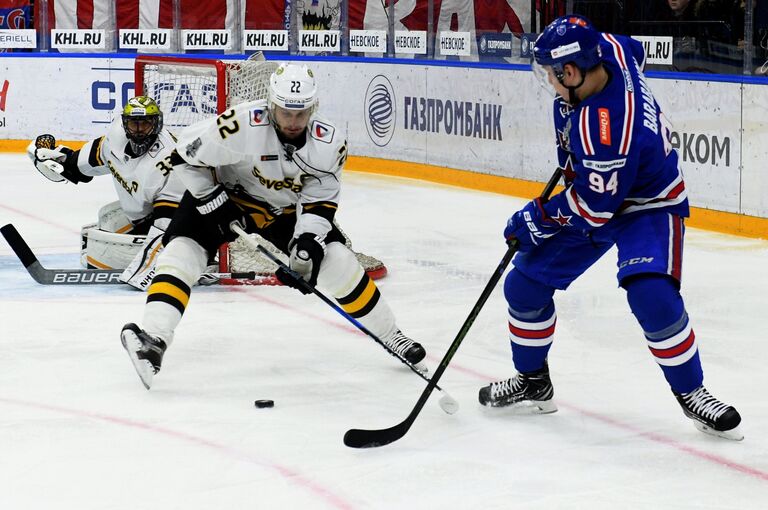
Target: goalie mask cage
191, 89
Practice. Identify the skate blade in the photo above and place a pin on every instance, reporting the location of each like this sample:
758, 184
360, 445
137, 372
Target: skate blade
143, 367
733, 435
526, 407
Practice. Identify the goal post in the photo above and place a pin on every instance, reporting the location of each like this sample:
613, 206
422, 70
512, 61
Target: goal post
191, 89
187, 89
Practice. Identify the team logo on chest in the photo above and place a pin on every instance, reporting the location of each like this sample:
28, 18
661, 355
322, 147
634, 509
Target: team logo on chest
131, 187
277, 184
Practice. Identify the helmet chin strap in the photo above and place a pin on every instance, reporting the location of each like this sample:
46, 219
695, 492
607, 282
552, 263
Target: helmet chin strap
573, 100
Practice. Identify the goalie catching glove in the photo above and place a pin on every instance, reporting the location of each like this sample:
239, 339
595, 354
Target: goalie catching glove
220, 212
55, 163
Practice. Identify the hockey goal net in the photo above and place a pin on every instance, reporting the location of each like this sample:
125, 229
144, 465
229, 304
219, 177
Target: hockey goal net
192, 89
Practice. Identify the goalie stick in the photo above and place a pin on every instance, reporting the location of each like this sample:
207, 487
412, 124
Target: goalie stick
447, 403
362, 438
47, 276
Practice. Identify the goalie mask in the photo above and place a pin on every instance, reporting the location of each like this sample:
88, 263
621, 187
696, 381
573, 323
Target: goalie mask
142, 122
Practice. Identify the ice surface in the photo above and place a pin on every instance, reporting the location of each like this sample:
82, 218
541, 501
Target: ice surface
78, 430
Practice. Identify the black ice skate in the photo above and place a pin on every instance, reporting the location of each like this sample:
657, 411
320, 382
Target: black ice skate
145, 351
709, 415
527, 393
405, 347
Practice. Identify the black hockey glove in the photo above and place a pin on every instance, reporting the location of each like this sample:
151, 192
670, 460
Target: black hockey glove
220, 212
71, 172
307, 252
292, 279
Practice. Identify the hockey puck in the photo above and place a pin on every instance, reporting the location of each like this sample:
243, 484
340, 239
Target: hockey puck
264, 403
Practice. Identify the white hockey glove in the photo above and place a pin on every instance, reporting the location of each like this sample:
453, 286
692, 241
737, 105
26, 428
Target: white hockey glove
141, 270
307, 252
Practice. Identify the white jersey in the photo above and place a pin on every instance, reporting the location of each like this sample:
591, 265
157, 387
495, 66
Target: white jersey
242, 148
141, 182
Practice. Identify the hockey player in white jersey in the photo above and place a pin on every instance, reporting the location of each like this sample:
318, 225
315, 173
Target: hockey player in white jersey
136, 151
273, 167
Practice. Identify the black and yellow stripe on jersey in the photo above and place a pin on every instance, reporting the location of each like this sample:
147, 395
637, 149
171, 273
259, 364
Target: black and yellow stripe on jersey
362, 299
169, 289
260, 212
94, 155
325, 210
164, 209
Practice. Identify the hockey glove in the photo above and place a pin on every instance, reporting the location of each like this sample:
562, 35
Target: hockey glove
220, 212
307, 252
291, 279
530, 226
55, 163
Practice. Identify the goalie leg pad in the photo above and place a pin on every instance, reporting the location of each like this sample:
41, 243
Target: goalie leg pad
113, 219
342, 275
179, 266
108, 250
141, 270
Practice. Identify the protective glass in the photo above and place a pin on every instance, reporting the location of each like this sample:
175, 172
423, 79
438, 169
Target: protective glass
546, 78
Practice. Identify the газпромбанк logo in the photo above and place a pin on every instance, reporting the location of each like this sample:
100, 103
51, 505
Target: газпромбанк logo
379, 110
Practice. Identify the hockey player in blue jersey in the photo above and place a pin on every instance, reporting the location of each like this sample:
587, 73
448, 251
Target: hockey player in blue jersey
623, 187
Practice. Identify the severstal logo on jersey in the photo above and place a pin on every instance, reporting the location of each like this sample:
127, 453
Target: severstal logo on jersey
604, 119
259, 117
322, 132
131, 187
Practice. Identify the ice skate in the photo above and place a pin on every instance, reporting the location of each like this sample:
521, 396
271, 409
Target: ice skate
709, 415
527, 393
146, 352
405, 347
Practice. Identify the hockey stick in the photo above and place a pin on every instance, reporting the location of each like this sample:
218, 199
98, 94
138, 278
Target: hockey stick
47, 276
360, 438
447, 402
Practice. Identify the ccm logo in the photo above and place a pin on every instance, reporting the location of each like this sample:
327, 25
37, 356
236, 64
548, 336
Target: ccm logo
604, 118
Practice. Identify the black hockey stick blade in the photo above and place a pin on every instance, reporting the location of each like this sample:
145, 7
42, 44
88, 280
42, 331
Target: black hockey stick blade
362, 438
54, 276
47, 276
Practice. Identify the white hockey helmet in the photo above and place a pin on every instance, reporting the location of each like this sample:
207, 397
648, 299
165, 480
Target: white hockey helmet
293, 87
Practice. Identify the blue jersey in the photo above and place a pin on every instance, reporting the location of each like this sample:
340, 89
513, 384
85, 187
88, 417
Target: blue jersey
614, 147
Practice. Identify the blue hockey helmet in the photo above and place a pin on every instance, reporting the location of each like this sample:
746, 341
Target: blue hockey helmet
568, 40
